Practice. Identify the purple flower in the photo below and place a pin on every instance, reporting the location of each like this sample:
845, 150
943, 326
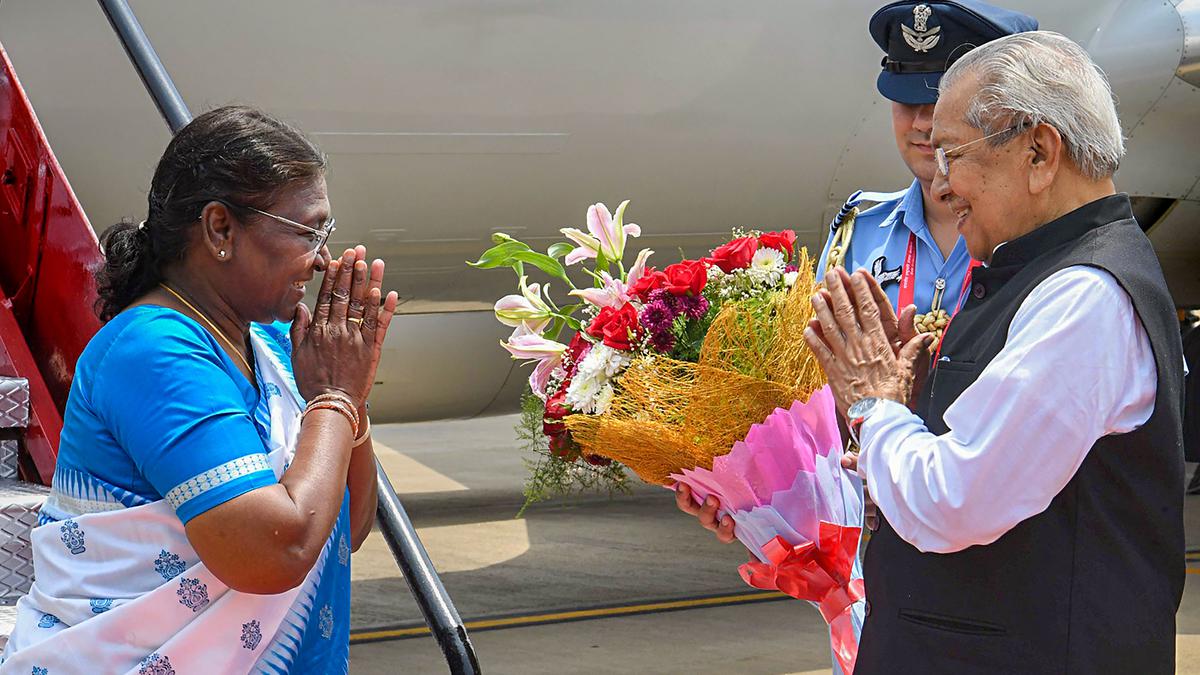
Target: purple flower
657, 316
693, 306
662, 342
791, 268
667, 298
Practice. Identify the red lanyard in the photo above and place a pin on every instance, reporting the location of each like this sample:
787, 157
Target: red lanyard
908, 282
908, 278
962, 296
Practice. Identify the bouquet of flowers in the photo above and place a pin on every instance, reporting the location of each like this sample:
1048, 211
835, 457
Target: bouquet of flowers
699, 374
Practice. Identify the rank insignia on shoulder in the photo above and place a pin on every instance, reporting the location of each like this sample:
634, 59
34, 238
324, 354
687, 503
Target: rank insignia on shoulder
861, 197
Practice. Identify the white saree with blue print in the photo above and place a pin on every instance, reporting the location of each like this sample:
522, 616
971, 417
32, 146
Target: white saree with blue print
118, 588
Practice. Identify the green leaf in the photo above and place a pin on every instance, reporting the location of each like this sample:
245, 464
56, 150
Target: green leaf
543, 262
556, 328
602, 263
500, 255
560, 249
500, 238
573, 323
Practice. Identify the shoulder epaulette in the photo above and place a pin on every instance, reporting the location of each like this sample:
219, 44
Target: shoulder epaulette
860, 197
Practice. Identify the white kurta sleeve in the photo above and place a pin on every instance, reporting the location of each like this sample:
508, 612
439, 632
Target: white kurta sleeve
1077, 365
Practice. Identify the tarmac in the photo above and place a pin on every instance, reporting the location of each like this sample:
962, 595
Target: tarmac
587, 584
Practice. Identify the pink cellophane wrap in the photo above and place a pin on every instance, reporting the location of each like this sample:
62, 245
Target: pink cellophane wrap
795, 509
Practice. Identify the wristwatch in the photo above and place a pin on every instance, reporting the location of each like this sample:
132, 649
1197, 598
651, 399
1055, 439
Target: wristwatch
858, 413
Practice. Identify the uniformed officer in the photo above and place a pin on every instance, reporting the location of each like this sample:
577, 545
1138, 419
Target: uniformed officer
908, 241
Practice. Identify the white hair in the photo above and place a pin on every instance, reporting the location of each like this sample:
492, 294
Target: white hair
1043, 77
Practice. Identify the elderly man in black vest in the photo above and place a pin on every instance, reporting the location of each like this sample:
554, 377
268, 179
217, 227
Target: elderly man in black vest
1032, 504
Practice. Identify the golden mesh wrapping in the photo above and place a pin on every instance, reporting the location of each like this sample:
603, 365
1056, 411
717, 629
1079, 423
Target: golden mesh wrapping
671, 415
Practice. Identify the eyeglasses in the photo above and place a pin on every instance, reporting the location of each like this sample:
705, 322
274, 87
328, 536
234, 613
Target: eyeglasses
318, 236
944, 156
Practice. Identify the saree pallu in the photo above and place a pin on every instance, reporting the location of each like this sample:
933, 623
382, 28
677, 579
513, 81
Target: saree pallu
123, 591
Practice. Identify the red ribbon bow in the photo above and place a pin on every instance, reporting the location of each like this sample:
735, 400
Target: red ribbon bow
820, 573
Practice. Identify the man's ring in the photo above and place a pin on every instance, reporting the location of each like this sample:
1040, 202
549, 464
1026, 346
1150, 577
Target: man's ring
355, 319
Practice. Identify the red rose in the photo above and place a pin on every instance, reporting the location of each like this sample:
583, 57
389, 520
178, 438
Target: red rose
650, 281
687, 277
564, 447
735, 255
616, 327
556, 407
575, 351
784, 241
597, 460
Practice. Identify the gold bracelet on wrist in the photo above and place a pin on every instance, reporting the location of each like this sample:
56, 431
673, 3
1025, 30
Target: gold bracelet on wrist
341, 399
366, 434
340, 407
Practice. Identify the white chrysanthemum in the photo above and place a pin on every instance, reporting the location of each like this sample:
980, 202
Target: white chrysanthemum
596, 369
604, 398
789, 278
766, 267
767, 257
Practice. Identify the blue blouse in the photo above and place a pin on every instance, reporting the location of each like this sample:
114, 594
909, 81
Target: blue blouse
157, 410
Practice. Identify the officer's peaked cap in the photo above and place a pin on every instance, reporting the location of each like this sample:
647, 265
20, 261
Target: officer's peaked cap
923, 39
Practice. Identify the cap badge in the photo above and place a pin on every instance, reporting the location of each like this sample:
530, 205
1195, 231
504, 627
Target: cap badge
920, 37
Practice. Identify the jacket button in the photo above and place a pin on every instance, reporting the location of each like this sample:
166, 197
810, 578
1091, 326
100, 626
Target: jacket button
866, 608
978, 291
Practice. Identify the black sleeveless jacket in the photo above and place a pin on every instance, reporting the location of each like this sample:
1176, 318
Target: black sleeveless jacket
1090, 585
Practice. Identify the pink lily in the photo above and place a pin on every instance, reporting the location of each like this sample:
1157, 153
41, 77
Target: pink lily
614, 293
539, 379
530, 345
527, 344
639, 267
527, 308
586, 246
606, 234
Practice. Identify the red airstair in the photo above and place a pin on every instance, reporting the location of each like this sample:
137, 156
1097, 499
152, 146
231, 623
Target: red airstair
48, 252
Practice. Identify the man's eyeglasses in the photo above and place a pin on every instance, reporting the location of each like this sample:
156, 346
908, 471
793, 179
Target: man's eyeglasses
944, 156
317, 236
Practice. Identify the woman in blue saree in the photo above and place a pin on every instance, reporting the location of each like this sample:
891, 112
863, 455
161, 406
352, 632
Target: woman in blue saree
215, 469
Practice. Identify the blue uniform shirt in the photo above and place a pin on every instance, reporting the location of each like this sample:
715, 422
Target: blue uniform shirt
879, 244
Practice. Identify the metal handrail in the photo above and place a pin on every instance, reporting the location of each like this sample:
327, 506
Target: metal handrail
414, 563
145, 60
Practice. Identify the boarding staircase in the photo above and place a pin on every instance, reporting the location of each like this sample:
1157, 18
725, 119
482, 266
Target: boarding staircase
47, 250
48, 254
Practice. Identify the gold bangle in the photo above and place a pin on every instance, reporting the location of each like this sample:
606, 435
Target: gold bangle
338, 407
341, 399
366, 433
